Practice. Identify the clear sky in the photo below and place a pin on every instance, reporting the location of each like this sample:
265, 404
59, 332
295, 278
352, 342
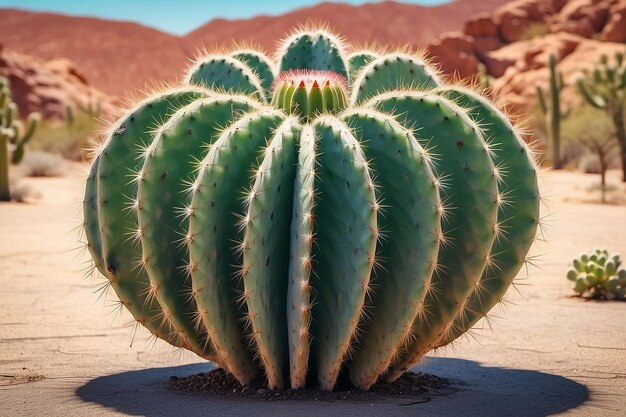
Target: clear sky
175, 16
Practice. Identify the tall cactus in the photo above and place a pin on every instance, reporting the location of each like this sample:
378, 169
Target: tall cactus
552, 111
91, 110
316, 227
605, 88
484, 81
12, 134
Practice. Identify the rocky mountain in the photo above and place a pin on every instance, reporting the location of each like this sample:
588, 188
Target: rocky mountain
385, 23
121, 57
515, 41
512, 39
116, 57
49, 86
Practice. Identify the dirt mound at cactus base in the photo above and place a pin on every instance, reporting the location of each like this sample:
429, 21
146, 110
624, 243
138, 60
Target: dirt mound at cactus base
415, 387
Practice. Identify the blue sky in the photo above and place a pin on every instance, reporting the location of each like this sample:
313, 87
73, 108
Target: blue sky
184, 17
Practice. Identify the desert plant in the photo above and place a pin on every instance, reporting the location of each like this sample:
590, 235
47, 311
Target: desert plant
598, 275
535, 30
589, 164
588, 139
358, 60
70, 142
69, 116
552, 111
12, 135
91, 110
602, 149
584, 124
42, 164
22, 192
483, 79
605, 88
259, 215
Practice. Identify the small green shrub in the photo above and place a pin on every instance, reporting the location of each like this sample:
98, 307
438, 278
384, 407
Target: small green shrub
21, 192
43, 164
598, 275
535, 30
69, 141
589, 164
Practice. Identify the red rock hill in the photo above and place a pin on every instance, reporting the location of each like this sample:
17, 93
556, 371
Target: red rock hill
120, 57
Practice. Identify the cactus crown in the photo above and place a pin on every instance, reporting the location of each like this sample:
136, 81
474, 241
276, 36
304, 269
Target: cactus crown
276, 284
309, 93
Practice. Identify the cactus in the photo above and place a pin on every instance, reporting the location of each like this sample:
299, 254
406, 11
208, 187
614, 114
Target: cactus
358, 60
319, 229
91, 110
598, 275
605, 88
13, 135
69, 116
552, 111
484, 81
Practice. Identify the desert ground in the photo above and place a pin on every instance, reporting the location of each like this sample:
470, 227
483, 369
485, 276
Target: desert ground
66, 351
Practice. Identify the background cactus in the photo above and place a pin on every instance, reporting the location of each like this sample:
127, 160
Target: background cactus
91, 110
484, 81
552, 111
598, 275
342, 231
605, 88
13, 135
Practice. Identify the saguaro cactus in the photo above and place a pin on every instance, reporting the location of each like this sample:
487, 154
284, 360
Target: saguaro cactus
12, 134
552, 111
345, 228
605, 88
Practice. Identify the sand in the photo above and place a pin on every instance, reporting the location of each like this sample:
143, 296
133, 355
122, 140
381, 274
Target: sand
64, 351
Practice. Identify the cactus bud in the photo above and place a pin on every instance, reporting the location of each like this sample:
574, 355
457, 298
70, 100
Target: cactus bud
310, 93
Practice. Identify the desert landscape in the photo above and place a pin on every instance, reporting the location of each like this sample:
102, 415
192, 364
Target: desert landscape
543, 353
67, 345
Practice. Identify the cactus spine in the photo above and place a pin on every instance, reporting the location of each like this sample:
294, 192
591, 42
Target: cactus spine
12, 134
552, 111
605, 88
344, 229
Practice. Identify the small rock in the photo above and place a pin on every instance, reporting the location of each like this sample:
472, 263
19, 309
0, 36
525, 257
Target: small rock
262, 391
173, 378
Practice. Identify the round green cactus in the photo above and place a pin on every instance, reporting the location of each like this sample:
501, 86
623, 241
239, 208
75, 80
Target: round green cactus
314, 217
598, 275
